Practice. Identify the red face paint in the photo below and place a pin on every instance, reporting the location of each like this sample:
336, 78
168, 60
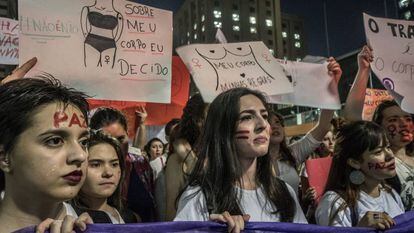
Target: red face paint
242, 134
74, 120
59, 117
380, 166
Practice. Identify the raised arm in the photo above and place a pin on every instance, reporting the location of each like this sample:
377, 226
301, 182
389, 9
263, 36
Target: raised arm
324, 122
356, 96
141, 134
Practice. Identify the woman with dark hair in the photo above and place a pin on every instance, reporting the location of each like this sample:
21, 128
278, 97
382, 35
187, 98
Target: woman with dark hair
233, 173
43, 139
182, 158
154, 148
287, 158
397, 123
100, 195
356, 191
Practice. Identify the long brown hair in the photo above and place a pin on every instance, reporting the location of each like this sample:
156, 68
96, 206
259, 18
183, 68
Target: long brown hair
218, 168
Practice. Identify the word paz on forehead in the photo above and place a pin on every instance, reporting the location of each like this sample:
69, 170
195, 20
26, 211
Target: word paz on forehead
61, 117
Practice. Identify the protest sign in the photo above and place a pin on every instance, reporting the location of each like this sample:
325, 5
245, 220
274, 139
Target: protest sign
393, 45
114, 50
9, 41
373, 97
318, 173
158, 114
219, 67
312, 86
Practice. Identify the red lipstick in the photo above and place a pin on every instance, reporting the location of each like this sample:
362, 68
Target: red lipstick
74, 177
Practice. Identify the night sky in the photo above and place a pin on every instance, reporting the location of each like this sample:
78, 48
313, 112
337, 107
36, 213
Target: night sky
344, 21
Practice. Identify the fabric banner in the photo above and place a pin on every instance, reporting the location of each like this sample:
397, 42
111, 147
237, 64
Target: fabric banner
113, 50
312, 86
405, 224
393, 45
373, 97
9, 41
158, 114
219, 67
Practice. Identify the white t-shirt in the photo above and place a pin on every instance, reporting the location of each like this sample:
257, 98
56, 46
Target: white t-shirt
158, 164
69, 210
405, 174
300, 150
253, 202
385, 202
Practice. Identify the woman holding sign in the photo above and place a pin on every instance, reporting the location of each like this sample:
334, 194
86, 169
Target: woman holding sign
286, 158
232, 180
397, 123
102, 27
356, 191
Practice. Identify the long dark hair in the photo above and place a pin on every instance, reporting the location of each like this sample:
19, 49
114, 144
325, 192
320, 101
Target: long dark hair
218, 168
285, 152
352, 141
98, 137
193, 113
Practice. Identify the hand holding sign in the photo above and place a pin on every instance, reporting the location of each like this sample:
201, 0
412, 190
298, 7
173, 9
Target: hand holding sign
334, 69
365, 57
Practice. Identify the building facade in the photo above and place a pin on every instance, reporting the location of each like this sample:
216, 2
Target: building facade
406, 9
240, 20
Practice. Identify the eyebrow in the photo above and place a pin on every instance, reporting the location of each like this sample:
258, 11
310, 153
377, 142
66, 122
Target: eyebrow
62, 133
406, 115
251, 111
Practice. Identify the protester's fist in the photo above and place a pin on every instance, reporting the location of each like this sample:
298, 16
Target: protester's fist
377, 220
365, 57
19, 72
334, 69
235, 223
141, 114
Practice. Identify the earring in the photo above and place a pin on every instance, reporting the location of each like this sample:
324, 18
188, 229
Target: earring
357, 177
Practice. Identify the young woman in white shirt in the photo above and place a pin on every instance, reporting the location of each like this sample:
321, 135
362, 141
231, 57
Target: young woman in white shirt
232, 180
356, 193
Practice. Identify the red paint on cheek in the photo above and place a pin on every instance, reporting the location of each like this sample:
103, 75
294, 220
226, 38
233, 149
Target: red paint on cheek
242, 134
59, 117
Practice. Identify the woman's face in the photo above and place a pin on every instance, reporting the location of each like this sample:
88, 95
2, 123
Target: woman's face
379, 163
278, 131
329, 141
48, 159
117, 131
398, 125
156, 149
104, 172
252, 130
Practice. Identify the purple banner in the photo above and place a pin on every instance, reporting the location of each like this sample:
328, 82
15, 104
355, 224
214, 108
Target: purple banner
405, 223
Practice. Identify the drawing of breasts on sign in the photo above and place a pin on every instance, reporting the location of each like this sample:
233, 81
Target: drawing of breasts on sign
102, 27
217, 68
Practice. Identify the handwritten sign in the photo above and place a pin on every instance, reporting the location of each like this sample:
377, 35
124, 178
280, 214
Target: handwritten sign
373, 97
9, 41
158, 114
312, 86
220, 67
115, 50
393, 44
